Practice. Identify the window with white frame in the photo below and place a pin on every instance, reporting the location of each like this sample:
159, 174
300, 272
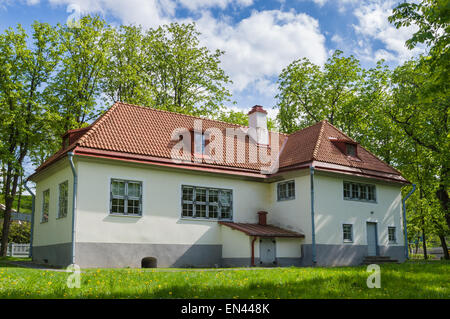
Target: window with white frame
286, 190
392, 235
126, 197
63, 199
358, 191
206, 202
347, 233
45, 205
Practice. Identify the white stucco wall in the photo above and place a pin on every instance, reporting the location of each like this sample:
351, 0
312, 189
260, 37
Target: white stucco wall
236, 244
331, 211
293, 214
161, 221
56, 230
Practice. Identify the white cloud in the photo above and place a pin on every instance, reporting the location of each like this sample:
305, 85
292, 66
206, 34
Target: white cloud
195, 5
149, 13
373, 24
260, 46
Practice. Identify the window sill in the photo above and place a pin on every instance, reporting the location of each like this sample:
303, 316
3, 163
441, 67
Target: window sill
206, 219
125, 215
348, 241
62, 217
285, 199
361, 200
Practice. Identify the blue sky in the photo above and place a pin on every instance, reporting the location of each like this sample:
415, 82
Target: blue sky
259, 38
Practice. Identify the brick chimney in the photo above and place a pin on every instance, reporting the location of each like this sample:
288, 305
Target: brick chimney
257, 122
262, 218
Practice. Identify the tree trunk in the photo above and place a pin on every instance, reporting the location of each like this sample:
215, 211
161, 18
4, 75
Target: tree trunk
9, 198
444, 246
424, 243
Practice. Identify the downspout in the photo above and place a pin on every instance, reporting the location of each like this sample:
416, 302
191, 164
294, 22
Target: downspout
313, 236
33, 198
404, 219
253, 251
74, 201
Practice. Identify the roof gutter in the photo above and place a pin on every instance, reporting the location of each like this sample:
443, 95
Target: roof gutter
313, 236
74, 202
405, 230
33, 198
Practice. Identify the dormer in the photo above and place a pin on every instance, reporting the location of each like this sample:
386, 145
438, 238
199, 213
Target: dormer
199, 141
346, 146
73, 135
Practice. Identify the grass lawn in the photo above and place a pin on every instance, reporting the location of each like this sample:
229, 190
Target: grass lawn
409, 280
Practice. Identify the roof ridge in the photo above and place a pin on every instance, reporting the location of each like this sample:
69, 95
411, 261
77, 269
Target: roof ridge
188, 115
97, 123
305, 128
319, 139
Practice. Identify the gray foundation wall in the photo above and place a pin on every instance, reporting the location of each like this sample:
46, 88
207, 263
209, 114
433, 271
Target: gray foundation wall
346, 255
130, 255
56, 255
110, 255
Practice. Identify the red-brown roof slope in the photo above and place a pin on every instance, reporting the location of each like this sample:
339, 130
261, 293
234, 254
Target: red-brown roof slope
140, 133
262, 230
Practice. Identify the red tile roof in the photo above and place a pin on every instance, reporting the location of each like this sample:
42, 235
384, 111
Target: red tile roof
137, 133
262, 230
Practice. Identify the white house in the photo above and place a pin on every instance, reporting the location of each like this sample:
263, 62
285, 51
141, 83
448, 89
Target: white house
114, 194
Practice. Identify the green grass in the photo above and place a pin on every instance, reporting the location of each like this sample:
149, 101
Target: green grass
408, 280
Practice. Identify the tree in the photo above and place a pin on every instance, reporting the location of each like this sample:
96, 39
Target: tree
73, 91
123, 79
24, 70
309, 94
184, 77
424, 89
166, 68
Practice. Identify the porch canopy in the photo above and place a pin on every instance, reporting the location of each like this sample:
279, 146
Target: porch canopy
262, 230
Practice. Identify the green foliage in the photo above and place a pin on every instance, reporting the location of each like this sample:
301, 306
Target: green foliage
19, 233
309, 94
25, 203
166, 68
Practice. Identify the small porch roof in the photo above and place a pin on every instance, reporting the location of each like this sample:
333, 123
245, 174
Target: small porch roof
262, 230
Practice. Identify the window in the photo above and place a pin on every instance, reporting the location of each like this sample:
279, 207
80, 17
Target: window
45, 205
350, 149
286, 190
63, 199
203, 202
347, 230
391, 234
126, 197
200, 142
362, 192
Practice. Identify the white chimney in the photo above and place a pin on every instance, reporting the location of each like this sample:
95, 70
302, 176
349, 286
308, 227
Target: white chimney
257, 122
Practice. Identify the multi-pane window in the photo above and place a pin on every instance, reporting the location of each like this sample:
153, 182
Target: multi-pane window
200, 141
391, 234
203, 202
286, 190
350, 149
347, 231
63, 199
45, 205
357, 191
126, 197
